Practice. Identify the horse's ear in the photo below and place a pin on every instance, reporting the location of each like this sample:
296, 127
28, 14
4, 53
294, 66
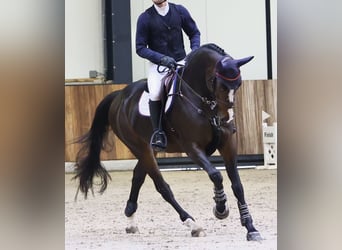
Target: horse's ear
243, 61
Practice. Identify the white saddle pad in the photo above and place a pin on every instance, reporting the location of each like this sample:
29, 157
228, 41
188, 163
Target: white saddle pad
144, 108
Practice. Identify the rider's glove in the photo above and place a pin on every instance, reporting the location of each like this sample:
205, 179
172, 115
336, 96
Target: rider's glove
168, 62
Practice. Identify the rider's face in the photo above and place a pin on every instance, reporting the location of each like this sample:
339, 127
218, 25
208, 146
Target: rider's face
158, 2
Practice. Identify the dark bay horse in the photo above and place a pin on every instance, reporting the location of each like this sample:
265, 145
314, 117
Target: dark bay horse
199, 121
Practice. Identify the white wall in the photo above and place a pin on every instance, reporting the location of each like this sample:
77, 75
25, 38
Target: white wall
83, 38
239, 27
236, 26
274, 24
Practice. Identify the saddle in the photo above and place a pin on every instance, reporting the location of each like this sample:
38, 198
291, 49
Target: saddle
170, 82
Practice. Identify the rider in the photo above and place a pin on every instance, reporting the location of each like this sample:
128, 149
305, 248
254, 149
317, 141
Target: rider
159, 39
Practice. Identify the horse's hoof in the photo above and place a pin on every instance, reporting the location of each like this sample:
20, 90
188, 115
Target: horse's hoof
254, 236
132, 230
198, 233
222, 215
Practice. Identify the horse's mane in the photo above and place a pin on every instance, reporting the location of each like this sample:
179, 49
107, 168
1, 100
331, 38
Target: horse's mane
214, 47
211, 46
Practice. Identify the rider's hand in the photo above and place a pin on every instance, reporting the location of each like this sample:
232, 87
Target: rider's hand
168, 62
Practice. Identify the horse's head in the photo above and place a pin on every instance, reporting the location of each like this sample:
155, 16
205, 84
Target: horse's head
227, 71
213, 74
227, 81
228, 77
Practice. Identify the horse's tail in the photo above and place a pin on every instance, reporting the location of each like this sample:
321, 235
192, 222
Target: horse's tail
88, 162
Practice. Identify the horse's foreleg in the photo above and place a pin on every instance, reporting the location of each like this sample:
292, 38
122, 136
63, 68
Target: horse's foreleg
138, 179
245, 216
230, 157
220, 210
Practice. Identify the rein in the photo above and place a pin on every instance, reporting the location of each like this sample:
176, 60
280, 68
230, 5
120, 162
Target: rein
214, 120
211, 103
205, 100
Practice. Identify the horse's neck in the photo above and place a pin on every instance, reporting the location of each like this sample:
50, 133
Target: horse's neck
199, 77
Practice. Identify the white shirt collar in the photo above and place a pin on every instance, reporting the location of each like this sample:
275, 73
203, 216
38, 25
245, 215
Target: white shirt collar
162, 10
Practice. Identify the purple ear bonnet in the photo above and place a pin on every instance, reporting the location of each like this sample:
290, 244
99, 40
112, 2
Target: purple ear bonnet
228, 68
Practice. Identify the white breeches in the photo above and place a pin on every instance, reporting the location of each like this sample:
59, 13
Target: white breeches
154, 81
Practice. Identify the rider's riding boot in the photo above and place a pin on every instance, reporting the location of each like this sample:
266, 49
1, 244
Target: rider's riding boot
158, 139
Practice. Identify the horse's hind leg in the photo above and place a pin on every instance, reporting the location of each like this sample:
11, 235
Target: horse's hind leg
138, 179
229, 156
164, 189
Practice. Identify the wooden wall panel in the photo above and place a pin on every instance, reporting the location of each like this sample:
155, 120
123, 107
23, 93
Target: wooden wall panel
252, 97
80, 105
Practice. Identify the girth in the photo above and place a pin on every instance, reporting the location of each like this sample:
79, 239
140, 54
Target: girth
216, 127
217, 132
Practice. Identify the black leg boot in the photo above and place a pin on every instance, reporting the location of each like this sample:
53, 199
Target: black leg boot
158, 139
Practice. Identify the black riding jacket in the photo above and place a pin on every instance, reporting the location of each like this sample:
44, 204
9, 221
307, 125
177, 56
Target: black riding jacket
158, 35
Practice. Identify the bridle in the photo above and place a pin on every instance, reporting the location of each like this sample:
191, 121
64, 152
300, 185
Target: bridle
212, 104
